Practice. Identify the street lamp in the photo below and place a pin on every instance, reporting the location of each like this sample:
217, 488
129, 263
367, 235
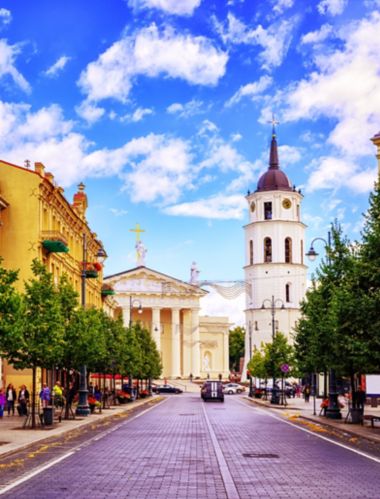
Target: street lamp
275, 399
132, 303
333, 410
83, 408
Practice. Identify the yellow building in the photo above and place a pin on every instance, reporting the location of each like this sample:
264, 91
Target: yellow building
169, 309
37, 221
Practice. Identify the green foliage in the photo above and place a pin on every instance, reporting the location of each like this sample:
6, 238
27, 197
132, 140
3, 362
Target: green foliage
276, 354
10, 308
236, 347
256, 365
37, 342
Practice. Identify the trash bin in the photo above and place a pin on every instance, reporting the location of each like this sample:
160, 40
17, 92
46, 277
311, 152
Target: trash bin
48, 415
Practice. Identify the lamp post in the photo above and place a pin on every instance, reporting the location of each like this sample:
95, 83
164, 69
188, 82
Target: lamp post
275, 399
132, 302
83, 408
333, 410
250, 394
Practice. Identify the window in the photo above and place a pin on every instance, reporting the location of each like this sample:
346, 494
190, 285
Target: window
268, 210
267, 250
251, 252
288, 250
287, 293
301, 252
298, 212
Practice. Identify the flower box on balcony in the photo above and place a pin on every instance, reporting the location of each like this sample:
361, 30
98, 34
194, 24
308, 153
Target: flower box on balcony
91, 274
108, 292
54, 242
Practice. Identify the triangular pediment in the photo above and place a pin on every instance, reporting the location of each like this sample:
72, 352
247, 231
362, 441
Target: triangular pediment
143, 280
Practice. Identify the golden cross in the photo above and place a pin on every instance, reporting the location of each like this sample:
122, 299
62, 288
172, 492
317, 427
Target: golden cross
138, 231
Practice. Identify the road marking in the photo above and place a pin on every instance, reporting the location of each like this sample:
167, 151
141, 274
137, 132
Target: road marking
35, 472
44, 467
229, 484
356, 451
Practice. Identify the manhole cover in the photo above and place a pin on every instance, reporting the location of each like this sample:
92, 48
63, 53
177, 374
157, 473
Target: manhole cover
260, 455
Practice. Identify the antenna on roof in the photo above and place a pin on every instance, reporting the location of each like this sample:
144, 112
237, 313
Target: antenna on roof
27, 163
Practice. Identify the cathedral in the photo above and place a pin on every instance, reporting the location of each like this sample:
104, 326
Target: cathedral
189, 345
275, 272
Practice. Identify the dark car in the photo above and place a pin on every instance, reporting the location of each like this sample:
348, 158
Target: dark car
212, 390
167, 389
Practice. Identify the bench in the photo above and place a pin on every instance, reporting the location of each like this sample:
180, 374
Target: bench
372, 418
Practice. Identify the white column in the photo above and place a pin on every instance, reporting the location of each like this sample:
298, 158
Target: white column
126, 316
226, 368
156, 327
195, 340
176, 348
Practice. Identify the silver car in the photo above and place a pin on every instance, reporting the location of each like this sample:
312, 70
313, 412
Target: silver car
231, 388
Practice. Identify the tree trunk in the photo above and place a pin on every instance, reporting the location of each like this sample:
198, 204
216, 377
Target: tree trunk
34, 375
353, 391
67, 406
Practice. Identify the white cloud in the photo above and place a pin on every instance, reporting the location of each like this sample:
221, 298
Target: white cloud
58, 66
152, 53
251, 90
177, 7
214, 305
281, 5
332, 7
5, 16
117, 212
274, 40
334, 173
344, 88
188, 109
219, 207
8, 54
137, 115
317, 36
235, 137
89, 111
289, 154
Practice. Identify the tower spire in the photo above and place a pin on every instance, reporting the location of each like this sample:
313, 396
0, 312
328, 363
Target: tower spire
273, 156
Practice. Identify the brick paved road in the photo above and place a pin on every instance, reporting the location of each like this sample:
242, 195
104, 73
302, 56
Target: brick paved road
184, 448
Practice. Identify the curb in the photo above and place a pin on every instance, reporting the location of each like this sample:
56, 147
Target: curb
371, 438
24, 447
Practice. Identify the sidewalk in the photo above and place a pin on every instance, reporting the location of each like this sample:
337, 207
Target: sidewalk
14, 437
298, 408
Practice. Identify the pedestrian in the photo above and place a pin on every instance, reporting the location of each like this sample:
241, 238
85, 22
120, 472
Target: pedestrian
306, 393
298, 390
97, 393
10, 395
45, 395
191, 377
58, 394
2, 402
23, 401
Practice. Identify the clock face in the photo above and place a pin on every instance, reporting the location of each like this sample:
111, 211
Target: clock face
253, 206
286, 203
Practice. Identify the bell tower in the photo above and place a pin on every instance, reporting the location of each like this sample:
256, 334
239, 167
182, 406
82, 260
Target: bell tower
274, 255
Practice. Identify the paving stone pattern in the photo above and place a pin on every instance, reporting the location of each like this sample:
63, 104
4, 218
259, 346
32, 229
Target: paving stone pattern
168, 453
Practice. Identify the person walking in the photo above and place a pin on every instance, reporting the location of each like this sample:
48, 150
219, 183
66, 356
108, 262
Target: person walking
306, 393
10, 395
23, 401
2, 402
58, 394
45, 395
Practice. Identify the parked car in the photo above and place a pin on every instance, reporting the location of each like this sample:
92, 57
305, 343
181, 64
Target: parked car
231, 388
212, 390
167, 389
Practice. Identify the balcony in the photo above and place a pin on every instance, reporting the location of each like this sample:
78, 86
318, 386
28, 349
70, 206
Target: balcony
107, 290
54, 241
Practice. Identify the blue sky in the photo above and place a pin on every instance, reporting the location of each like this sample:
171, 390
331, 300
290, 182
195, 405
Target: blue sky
161, 108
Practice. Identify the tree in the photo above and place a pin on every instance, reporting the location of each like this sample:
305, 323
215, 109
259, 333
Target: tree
236, 347
38, 342
10, 306
256, 365
276, 354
